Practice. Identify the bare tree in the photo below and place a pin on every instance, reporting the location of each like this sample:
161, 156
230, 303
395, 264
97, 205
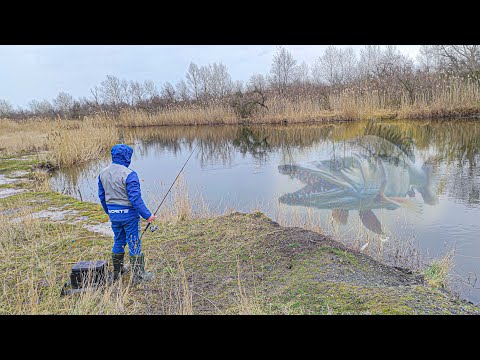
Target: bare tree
206, 82
370, 58
392, 61
246, 105
34, 106
335, 67
427, 59
63, 103
150, 89
237, 86
257, 81
193, 81
221, 83
455, 58
125, 93
76, 110
349, 64
182, 90
401, 68
381, 63
5, 108
41, 108
95, 91
168, 92
112, 91
204, 76
283, 69
88, 105
138, 93
302, 75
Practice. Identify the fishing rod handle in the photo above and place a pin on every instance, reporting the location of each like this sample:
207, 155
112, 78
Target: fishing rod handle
148, 225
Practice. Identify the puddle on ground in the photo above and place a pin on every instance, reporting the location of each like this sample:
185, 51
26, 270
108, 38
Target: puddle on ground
4, 193
11, 179
103, 228
5, 180
57, 214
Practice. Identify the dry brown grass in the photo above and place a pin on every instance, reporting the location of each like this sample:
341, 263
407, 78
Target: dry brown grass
29, 136
71, 144
454, 97
67, 142
180, 115
35, 256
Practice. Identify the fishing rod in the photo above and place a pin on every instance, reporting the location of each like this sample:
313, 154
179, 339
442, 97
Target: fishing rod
148, 225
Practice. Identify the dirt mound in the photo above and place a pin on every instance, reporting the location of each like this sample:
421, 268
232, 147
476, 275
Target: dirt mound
246, 263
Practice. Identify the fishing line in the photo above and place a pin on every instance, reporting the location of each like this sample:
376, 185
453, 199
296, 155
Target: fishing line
171, 186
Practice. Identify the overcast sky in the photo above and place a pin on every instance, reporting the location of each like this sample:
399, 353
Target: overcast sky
42, 71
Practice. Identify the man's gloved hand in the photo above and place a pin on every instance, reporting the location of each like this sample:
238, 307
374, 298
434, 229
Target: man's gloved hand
151, 218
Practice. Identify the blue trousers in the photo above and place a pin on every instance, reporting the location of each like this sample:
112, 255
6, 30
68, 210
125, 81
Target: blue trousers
126, 232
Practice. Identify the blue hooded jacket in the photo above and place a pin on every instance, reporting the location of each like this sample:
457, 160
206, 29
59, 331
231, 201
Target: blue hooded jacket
120, 195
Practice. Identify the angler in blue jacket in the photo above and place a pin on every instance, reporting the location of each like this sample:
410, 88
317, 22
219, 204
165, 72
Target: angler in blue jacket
121, 198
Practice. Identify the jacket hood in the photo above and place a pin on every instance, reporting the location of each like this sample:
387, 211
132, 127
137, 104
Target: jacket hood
122, 154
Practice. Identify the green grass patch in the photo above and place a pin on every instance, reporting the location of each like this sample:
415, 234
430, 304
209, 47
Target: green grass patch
436, 274
342, 254
9, 165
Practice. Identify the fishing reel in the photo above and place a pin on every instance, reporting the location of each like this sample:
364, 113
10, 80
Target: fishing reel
153, 228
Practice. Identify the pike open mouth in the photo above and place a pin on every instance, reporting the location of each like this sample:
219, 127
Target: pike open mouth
310, 191
317, 187
307, 176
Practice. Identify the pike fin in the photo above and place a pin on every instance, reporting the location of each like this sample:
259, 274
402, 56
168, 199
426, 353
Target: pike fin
340, 215
403, 202
370, 221
408, 204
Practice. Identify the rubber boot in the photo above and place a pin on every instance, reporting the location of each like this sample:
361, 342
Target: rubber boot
119, 268
138, 268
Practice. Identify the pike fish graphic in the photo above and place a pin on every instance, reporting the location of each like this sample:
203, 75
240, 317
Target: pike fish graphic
379, 175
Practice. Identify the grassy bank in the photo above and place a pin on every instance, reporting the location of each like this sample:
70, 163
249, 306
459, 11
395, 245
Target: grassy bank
229, 264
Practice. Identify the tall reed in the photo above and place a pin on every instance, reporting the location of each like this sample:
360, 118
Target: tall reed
26, 136
71, 145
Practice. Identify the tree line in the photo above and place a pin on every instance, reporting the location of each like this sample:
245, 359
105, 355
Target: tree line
376, 68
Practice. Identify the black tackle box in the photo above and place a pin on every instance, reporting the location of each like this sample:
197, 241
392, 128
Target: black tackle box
88, 273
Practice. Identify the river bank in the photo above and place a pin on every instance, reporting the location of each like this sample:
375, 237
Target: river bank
230, 264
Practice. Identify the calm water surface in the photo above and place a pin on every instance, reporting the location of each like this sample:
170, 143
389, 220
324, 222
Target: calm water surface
406, 192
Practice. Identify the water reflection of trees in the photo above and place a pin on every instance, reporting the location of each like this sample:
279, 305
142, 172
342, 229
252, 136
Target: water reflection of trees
214, 142
452, 141
80, 181
253, 142
463, 183
394, 135
220, 143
